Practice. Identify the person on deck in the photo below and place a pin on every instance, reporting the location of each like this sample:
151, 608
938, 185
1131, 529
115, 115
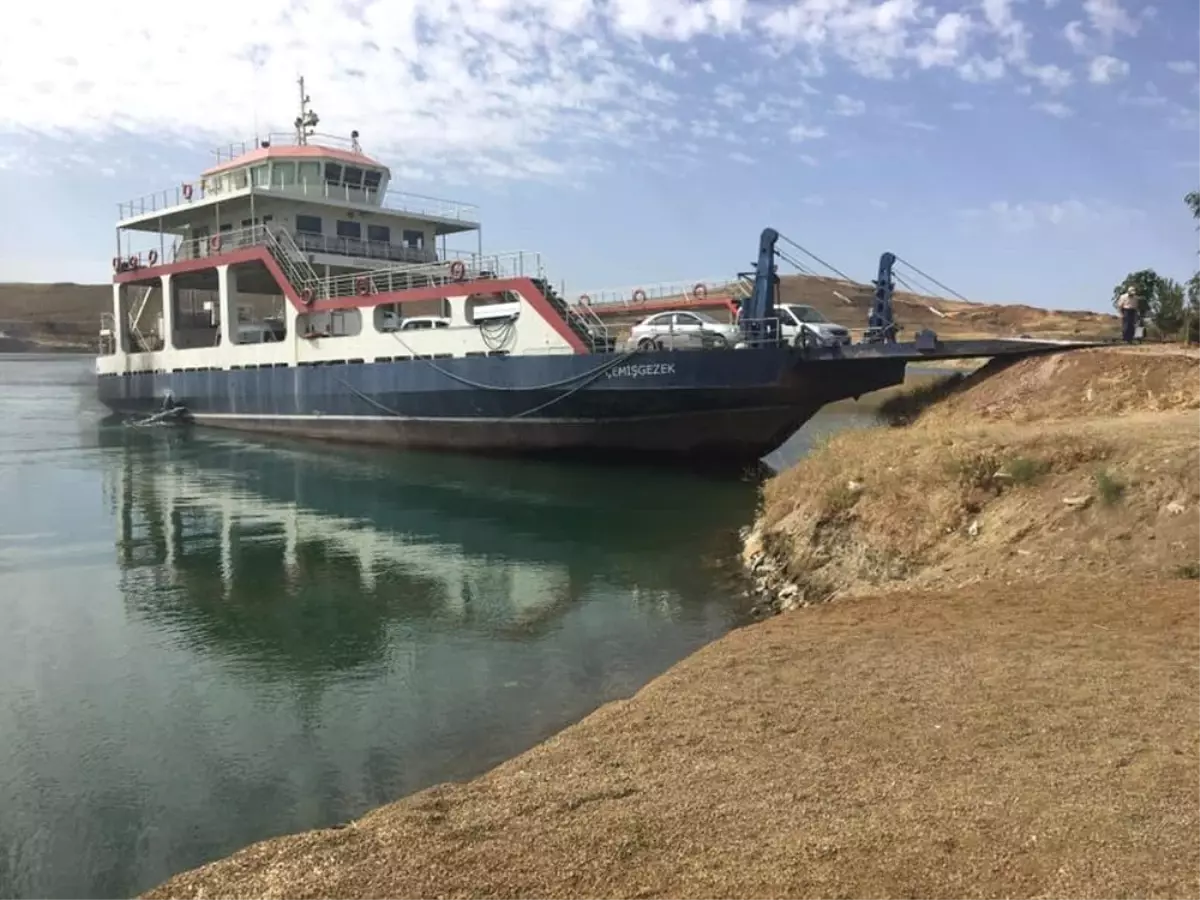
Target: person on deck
1127, 303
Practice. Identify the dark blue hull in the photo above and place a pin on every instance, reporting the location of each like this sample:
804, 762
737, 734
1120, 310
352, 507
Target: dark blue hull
729, 406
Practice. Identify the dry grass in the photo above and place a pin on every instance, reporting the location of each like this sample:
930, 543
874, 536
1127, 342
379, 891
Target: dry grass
972, 744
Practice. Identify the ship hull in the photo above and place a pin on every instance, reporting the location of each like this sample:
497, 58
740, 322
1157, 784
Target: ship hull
727, 407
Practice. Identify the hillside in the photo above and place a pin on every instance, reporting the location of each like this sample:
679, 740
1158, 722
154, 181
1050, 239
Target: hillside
66, 315
53, 316
850, 304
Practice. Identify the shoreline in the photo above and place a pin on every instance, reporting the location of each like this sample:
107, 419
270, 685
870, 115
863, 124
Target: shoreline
934, 731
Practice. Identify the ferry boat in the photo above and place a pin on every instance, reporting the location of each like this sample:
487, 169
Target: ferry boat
291, 289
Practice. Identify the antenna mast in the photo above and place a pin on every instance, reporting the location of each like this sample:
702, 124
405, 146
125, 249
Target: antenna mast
307, 121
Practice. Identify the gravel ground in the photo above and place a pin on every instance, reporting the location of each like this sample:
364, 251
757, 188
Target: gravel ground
1016, 740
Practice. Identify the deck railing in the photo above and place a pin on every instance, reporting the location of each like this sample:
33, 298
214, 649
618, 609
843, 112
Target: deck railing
517, 264
685, 291
173, 199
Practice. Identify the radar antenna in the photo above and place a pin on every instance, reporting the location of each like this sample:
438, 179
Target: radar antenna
307, 121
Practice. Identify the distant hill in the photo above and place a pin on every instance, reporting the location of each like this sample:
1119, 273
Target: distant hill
67, 316
850, 304
62, 316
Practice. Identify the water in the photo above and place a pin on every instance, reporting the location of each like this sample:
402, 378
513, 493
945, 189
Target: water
208, 641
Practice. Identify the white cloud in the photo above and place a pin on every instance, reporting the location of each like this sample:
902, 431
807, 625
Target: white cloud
801, 133
724, 95
807, 160
977, 69
1054, 108
1107, 69
1182, 67
507, 88
848, 106
744, 158
1109, 18
1073, 213
1075, 36
877, 203
1054, 78
813, 200
962, 106
947, 41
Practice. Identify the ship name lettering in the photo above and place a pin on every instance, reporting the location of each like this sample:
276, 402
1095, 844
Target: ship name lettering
642, 370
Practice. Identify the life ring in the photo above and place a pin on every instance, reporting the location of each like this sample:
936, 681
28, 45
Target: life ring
187, 192
458, 271
639, 296
585, 300
700, 291
152, 258
116, 264
214, 243
307, 296
134, 263
362, 285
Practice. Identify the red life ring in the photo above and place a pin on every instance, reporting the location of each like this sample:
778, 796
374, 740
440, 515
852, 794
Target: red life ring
458, 271
116, 264
187, 192
639, 296
152, 258
362, 285
700, 291
214, 243
307, 296
584, 300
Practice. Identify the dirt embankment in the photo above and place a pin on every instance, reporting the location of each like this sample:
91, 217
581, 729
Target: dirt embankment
1080, 463
53, 316
1004, 701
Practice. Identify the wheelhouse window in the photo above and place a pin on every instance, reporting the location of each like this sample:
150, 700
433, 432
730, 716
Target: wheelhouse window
283, 174
333, 173
308, 224
352, 176
371, 179
414, 240
260, 175
310, 173
237, 179
379, 234
349, 229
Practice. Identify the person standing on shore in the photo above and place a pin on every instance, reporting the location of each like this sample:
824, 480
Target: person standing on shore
1127, 303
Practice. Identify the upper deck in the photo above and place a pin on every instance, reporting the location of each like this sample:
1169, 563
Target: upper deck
303, 168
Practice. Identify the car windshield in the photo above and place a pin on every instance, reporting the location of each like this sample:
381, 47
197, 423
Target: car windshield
705, 318
806, 314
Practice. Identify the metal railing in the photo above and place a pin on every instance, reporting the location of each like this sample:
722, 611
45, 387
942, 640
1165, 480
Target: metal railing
683, 291
518, 264
171, 199
231, 151
342, 246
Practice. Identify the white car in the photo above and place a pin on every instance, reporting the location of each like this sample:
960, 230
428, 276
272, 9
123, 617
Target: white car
673, 329
796, 319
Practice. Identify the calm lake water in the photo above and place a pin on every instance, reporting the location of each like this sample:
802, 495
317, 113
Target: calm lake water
208, 641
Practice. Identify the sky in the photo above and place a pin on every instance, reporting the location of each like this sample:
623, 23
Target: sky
1017, 150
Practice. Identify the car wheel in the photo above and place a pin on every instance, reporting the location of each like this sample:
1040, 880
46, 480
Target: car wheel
646, 343
719, 342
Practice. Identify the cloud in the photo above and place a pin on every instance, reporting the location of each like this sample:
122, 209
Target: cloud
744, 158
504, 88
1072, 213
1075, 36
1182, 67
1054, 78
1053, 108
801, 133
1109, 18
1107, 69
848, 106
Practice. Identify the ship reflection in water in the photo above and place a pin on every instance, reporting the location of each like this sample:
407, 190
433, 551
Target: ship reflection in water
323, 630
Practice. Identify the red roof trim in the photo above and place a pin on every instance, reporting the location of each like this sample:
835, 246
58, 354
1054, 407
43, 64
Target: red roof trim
522, 286
307, 151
